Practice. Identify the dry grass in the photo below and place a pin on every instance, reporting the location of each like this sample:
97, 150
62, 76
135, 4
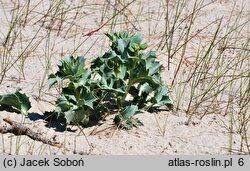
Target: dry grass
206, 62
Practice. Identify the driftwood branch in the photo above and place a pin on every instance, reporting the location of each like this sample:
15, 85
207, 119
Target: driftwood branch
20, 129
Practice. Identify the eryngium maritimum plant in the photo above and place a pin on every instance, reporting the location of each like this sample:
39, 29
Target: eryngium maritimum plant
128, 82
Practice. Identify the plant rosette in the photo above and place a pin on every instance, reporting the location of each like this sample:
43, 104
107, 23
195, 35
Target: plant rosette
129, 82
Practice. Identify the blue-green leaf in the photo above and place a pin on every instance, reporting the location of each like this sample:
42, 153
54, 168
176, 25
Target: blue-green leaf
17, 100
137, 38
130, 111
125, 119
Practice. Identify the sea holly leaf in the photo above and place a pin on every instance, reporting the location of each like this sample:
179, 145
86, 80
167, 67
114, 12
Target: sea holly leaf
69, 115
154, 68
63, 104
130, 111
10, 100
161, 98
136, 43
136, 122
115, 90
78, 115
82, 116
120, 41
79, 66
126, 120
53, 79
144, 88
166, 101
137, 38
149, 59
114, 62
109, 35
16, 100
97, 63
121, 45
161, 91
127, 124
89, 99
83, 79
73, 113
121, 71
69, 68
143, 46
150, 80
25, 103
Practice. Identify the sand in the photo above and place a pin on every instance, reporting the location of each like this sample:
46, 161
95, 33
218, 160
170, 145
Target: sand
163, 133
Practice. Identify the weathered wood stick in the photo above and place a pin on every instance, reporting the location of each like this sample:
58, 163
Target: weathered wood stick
20, 129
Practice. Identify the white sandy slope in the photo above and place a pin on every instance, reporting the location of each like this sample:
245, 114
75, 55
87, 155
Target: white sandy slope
163, 132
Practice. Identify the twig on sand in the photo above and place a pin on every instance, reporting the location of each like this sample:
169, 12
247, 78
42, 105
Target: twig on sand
20, 129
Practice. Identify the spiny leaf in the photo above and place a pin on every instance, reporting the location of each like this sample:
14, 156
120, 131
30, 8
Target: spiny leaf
83, 79
130, 111
53, 79
89, 99
63, 104
25, 103
125, 119
121, 45
69, 115
161, 91
145, 88
137, 38
161, 98
69, 68
17, 100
